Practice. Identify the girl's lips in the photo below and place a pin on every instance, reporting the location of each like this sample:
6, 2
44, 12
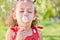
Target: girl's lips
25, 19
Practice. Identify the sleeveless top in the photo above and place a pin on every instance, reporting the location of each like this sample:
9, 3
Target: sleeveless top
34, 36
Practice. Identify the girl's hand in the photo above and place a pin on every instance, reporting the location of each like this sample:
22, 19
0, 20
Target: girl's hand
21, 34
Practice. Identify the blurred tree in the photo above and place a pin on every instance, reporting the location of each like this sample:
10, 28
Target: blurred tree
48, 8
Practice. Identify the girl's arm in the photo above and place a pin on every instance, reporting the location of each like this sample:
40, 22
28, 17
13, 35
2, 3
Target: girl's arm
9, 35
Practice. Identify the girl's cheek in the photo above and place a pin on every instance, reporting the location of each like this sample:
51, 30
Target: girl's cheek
31, 16
18, 16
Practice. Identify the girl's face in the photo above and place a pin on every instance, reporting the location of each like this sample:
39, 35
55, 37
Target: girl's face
24, 9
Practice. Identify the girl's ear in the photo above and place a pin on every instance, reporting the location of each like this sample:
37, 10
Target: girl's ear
14, 16
34, 18
13, 13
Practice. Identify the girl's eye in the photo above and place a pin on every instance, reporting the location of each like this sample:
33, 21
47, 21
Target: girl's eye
29, 11
21, 11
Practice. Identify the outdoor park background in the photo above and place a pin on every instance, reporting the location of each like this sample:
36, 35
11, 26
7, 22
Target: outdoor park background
49, 18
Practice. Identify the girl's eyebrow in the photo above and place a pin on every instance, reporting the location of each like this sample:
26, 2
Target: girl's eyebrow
27, 9
22, 8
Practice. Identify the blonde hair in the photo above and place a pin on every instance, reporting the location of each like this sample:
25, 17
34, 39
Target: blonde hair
11, 22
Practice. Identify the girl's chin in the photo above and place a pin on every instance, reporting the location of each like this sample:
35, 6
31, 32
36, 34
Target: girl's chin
25, 22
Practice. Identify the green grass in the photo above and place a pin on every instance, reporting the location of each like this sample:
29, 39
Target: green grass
51, 30
3, 30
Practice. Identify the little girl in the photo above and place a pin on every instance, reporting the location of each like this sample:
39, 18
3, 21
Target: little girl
22, 20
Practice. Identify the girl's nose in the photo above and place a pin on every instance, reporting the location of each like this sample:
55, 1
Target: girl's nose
25, 13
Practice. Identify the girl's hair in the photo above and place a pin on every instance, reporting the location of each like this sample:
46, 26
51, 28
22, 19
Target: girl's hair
11, 22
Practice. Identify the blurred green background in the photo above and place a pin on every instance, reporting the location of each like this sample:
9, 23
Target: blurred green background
49, 17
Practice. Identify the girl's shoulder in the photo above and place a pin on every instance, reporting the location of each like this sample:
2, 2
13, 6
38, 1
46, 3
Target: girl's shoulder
38, 29
9, 30
9, 33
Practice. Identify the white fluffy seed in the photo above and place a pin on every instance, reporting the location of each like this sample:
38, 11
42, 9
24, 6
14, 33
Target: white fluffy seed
24, 19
